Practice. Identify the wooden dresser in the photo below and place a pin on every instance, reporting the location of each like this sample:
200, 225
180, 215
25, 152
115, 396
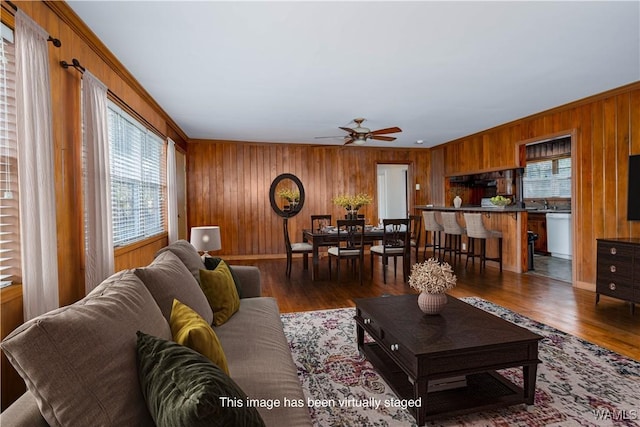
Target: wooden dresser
618, 272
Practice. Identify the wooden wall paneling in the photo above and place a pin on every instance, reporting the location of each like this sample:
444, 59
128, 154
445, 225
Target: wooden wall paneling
437, 183
634, 142
610, 158
622, 124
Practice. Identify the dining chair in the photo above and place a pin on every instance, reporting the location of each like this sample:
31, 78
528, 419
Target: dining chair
350, 236
396, 237
319, 222
416, 233
295, 248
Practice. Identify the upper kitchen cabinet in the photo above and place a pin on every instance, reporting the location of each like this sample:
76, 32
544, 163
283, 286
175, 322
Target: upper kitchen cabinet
498, 150
463, 157
476, 154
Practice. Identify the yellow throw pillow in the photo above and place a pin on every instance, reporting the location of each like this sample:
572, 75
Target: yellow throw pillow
220, 290
188, 328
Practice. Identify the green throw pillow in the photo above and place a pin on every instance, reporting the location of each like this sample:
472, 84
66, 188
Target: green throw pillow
221, 293
190, 329
211, 263
184, 388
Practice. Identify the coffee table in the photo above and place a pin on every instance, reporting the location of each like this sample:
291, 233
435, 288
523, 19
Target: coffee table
415, 352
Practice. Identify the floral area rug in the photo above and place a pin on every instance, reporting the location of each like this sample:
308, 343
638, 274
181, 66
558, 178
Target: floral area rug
578, 383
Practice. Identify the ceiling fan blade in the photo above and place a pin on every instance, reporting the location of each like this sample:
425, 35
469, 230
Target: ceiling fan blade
346, 129
394, 129
348, 140
383, 138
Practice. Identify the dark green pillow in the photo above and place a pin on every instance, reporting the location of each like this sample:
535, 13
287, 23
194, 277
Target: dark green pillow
211, 263
184, 388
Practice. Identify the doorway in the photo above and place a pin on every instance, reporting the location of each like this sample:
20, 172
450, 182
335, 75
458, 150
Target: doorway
547, 191
393, 194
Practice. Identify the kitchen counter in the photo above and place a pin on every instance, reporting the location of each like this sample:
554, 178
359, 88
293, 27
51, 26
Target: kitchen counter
473, 208
513, 226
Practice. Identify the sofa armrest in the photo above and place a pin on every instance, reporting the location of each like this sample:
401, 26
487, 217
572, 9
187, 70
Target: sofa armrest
23, 412
250, 281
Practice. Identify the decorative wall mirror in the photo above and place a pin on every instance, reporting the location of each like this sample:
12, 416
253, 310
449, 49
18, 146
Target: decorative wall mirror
286, 195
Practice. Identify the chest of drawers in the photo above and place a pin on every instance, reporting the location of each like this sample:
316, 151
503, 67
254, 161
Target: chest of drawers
618, 269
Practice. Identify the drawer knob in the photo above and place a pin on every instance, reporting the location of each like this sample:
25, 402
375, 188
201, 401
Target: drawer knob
612, 268
612, 286
394, 347
613, 251
367, 321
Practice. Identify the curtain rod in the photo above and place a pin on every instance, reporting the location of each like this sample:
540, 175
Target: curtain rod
74, 63
56, 42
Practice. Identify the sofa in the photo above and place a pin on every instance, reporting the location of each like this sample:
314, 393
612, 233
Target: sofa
81, 363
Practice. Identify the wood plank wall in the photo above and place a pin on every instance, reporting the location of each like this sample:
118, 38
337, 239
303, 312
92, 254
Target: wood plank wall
77, 42
228, 185
605, 130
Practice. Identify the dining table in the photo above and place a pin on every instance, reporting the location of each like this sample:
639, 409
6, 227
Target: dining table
328, 236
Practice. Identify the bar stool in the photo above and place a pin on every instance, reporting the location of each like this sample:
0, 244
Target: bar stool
453, 233
477, 231
433, 226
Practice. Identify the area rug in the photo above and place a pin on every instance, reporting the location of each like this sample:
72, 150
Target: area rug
578, 383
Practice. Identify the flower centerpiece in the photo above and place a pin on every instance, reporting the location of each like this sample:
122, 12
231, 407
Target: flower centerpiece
292, 196
352, 203
432, 279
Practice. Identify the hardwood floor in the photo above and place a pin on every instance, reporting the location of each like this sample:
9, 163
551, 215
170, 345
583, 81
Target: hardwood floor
609, 324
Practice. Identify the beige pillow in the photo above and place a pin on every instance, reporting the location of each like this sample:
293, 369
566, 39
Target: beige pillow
188, 255
220, 290
191, 330
167, 279
79, 361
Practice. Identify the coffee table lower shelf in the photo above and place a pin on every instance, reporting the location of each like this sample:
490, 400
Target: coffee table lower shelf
484, 390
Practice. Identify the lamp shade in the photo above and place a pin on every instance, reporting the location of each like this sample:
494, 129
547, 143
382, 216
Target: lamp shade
206, 238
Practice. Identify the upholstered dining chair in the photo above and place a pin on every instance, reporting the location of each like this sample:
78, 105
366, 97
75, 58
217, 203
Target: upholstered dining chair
416, 233
318, 222
295, 248
396, 239
350, 234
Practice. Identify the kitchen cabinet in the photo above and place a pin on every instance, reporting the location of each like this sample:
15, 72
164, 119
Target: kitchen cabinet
618, 273
537, 222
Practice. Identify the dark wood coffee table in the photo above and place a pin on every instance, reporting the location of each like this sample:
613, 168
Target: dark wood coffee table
411, 350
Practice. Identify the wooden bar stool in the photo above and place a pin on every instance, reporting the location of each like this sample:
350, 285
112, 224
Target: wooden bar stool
432, 225
453, 233
477, 231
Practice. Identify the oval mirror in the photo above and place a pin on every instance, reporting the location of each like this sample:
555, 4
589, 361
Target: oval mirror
286, 195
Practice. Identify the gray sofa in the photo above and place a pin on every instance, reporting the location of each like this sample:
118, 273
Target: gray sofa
253, 342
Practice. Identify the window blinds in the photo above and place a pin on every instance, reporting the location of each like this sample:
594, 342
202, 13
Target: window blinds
9, 211
138, 181
547, 178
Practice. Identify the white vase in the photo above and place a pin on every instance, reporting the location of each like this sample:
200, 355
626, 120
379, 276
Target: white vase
457, 202
431, 303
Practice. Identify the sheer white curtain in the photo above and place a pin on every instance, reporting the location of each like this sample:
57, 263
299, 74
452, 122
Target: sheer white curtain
35, 170
172, 192
99, 258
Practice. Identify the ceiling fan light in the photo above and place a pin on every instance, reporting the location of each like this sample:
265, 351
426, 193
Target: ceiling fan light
359, 140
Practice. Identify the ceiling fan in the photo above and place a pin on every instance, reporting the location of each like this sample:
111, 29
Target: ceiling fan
359, 134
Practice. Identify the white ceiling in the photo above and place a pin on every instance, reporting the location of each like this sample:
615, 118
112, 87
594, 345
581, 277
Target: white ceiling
291, 71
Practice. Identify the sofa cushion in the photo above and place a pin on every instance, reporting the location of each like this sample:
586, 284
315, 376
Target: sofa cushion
183, 388
260, 360
211, 263
221, 292
167, 279
188, 255
190, 329
79, 361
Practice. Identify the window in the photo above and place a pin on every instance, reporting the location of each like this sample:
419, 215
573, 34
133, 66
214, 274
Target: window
138, 182
547, 178
9, 209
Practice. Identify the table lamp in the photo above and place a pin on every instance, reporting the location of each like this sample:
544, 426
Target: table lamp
206, 238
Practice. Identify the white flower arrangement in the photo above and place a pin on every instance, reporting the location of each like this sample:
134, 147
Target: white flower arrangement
432, 277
